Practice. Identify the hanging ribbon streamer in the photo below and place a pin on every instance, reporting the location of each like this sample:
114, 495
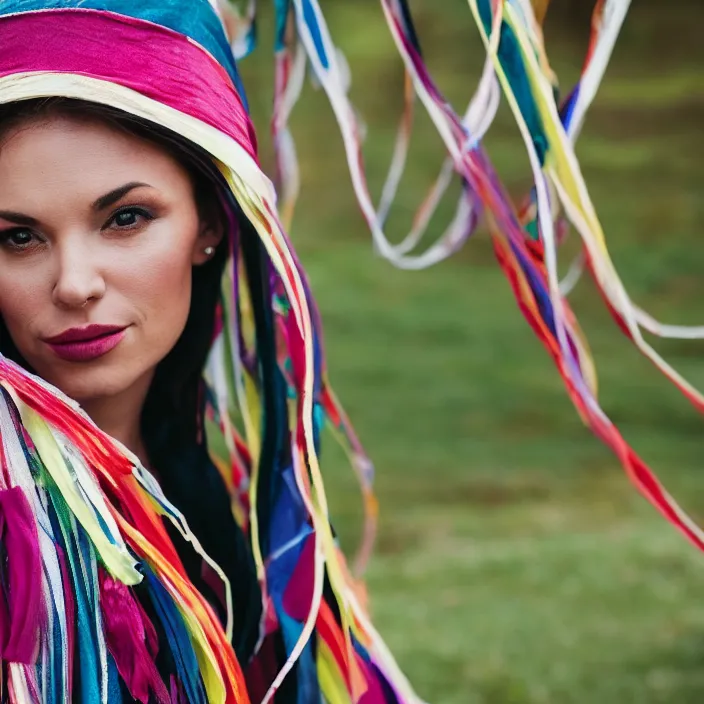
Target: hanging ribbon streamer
526, 242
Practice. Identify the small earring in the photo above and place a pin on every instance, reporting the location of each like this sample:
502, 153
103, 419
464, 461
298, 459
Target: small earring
209, 251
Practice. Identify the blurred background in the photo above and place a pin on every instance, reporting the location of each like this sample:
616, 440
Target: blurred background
515, 562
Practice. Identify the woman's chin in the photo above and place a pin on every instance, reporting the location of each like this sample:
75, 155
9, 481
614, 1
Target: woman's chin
85, 385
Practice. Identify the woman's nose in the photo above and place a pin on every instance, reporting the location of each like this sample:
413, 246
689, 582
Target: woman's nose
78, 277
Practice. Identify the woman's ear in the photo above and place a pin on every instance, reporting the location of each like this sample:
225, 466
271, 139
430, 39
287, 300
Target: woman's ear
209, 237
210, 233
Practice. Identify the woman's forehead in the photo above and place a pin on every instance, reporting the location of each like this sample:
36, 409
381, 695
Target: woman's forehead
56, 155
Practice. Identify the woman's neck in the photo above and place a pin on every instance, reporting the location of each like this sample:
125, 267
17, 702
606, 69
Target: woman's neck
119, 415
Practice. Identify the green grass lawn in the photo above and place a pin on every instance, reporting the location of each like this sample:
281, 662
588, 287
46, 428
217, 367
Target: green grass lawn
515, 563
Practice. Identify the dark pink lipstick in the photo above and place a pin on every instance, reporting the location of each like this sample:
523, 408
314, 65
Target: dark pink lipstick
87, 343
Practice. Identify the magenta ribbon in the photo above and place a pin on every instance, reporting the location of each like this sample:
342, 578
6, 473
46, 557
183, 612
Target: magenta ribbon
22, 608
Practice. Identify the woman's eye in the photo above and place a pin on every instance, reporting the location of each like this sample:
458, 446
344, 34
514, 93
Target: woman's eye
129, 218
16, 239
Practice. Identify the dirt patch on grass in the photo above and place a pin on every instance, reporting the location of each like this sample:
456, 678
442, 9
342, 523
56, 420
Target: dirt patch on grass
485, 492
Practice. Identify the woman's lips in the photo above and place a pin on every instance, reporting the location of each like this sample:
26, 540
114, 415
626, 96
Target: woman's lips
86, 344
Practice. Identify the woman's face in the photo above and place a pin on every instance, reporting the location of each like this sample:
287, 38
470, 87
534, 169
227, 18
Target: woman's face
99, 231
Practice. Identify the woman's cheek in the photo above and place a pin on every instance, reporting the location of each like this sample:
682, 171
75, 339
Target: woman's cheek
18, 310
162, 294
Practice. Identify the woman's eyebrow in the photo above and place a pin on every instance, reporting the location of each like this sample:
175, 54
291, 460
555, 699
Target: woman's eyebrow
113, 196
100, 204
18, 218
